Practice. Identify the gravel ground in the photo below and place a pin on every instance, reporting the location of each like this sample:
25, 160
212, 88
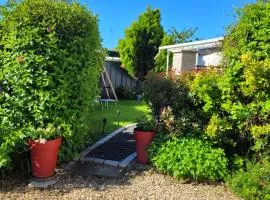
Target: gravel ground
140, 183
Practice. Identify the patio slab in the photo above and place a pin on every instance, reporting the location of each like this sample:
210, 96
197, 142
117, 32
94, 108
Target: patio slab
87, 169
41, 183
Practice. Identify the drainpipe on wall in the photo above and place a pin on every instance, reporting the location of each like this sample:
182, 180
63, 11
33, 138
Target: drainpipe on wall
167, 64
197, 57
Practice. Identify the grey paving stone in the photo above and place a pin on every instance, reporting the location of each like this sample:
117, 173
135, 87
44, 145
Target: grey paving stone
87, 159
111, 163
124, 163
41, 183
98, 161
88, 169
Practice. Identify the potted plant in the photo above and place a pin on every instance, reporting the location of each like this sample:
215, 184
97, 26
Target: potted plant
44, 145
144, 134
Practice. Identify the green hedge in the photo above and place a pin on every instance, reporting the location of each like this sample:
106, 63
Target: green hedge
50, 56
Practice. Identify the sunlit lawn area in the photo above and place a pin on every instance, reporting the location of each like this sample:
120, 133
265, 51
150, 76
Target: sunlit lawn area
130, 111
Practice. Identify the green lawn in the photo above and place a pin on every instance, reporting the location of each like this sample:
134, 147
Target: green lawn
130, 111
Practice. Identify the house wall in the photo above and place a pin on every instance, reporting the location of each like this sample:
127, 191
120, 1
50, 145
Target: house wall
210, 59
183, 61
188, 61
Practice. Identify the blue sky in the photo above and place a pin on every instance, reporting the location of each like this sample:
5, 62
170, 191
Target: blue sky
211, 17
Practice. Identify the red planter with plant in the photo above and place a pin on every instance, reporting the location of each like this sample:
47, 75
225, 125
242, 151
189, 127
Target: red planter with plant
44, 145
44, 157
143, 140
144, 134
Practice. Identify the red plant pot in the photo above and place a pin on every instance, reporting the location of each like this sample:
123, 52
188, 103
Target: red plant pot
44, 157
143, 139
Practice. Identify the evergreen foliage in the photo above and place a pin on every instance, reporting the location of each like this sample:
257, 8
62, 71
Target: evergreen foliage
140, 45
50, 61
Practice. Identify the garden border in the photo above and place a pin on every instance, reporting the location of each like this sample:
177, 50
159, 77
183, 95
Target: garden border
122, 164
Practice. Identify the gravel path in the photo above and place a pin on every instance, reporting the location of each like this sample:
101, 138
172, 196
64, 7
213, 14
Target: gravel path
140, 183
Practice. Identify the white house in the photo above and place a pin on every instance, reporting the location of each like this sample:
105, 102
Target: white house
188, 56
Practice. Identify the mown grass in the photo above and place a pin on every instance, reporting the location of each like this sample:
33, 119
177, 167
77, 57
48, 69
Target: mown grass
130, 111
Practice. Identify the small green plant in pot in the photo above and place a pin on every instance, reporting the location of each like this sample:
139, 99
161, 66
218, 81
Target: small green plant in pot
44, 144
144, 134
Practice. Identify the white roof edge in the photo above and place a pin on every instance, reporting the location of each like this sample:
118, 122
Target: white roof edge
113, 59
200, 42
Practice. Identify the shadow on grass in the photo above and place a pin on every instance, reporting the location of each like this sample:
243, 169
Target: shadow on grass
130, 112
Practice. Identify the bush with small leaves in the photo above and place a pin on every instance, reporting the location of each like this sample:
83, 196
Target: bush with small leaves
188, 158
252, 183
50, 60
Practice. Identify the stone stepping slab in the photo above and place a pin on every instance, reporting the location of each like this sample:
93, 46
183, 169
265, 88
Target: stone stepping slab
115, 150
86, 169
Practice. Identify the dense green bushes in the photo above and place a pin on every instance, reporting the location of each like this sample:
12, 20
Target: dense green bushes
233, 105
238, 104
173, 92
125, 93
253, 183
50, 62
182, 152
189, 158
238, 99
246, 98
157, 91
228, 108
250, 33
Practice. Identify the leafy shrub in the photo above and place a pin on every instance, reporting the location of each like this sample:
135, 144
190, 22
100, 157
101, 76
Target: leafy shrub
189, 117
49, 73
253, 183
49, 133
205, 90
124, 93
238, 104
207, 93
245, 86
189, 159
174, 92
146, 123
157, 91
250, 33
180, 101
167, 120
237, 100
232, 105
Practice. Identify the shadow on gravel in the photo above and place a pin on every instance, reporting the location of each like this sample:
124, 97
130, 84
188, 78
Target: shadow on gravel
67, 181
